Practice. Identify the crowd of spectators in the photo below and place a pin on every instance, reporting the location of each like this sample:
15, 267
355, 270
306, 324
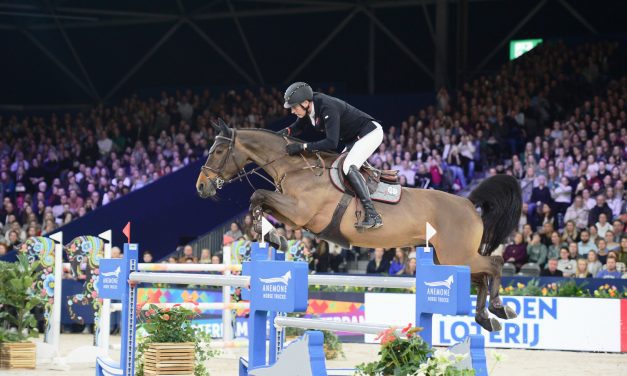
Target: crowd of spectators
54, 169
554, 119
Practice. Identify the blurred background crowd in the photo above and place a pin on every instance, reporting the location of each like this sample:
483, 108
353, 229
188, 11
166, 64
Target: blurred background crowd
554, 119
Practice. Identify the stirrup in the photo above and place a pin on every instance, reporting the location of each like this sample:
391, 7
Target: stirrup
376, 223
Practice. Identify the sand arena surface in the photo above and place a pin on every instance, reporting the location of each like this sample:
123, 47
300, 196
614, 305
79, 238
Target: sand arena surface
515, 362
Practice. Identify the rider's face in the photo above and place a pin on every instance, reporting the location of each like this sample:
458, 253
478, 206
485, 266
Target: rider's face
300, 110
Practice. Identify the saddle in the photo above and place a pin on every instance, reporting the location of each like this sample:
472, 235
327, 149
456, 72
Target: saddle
383, 184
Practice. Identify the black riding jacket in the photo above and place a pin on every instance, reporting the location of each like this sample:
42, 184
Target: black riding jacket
340, 121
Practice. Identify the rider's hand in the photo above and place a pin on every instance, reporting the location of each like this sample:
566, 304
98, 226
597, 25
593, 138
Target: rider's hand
295, 148
285, 132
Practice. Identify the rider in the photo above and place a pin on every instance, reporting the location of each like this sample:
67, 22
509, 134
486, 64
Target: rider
341, 121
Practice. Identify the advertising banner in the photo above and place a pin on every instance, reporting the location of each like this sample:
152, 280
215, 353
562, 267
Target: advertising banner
582, 324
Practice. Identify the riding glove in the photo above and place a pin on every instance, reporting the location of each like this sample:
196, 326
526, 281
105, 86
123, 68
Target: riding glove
295, 148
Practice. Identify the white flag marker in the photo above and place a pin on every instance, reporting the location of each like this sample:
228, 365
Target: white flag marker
430, 233
265, 228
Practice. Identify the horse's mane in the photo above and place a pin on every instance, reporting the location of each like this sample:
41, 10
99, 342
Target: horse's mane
326, 155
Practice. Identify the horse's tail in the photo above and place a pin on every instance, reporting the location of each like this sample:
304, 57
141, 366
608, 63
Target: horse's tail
500, 200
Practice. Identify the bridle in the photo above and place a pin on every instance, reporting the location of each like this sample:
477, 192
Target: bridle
241, 172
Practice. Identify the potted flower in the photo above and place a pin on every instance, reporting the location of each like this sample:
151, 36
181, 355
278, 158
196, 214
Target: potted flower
171, 342
411, 356
17, 322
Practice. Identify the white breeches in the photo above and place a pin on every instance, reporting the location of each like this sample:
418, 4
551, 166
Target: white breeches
363, 148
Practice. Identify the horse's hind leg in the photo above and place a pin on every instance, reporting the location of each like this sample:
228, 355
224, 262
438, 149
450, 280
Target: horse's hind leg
481, 315
496, 305
484, 268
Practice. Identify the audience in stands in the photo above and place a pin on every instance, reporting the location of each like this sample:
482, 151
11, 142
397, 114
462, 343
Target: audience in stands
555, 119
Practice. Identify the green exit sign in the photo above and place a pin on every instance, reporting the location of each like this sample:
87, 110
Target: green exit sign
519, 47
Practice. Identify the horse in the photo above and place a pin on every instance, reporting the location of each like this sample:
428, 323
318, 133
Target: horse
305, 198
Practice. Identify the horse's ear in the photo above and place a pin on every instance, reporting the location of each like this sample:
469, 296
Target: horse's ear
223, 126
215, 127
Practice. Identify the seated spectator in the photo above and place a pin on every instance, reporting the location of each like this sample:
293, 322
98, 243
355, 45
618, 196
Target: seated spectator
116, 253
536, 251
582, 269
545, 233
601, 207
620, 266
541, 193
585, 245
573, 251
172, 260
188, 252
235, 232
215, 259
551, 269
570, 233
398, 263
594, 234
147, 257
594, 265
603, 225
561, 196
588, 201
516, 253
553, 250
609, 241
622, 255
12, 240
205, 256
566, 264
378, 265
410, 267
602, 251
527, 233
423, 177
614, 201
522, 221
618, 229
4, 249
321, 256
610, 271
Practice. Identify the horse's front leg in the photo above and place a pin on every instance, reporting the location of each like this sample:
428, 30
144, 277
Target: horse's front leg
284, 208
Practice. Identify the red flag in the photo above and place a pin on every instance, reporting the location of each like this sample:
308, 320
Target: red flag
227, 239
127, 232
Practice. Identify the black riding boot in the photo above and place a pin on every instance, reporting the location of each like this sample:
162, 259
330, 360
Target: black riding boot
372, 219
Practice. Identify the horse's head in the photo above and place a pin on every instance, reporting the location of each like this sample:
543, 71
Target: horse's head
224, 162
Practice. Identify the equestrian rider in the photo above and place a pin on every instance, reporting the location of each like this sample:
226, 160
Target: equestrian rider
359, 131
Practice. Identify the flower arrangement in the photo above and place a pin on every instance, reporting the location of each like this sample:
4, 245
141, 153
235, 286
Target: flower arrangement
607, 291
442, 363
172, 325
410, 356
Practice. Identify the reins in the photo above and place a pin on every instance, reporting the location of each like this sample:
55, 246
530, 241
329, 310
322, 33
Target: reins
242, 173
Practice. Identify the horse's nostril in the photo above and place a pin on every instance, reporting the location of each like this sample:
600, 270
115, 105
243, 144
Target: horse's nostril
201, 186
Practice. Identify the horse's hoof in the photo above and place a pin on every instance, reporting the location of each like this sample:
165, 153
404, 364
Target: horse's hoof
489, 323
283, 246
503, 312
276, 241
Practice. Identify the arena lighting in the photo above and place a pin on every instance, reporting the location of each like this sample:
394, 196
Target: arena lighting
521, 46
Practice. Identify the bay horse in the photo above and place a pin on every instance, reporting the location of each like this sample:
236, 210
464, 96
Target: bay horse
307, 199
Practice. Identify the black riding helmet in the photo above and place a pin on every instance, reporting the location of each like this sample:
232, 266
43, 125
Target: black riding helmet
297, 93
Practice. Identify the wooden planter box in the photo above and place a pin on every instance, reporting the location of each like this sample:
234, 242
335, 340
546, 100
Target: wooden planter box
17, 355
165, 359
